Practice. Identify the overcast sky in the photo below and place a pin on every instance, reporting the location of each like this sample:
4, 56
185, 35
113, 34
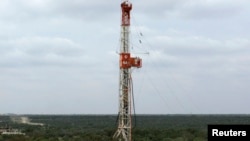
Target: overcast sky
61, 56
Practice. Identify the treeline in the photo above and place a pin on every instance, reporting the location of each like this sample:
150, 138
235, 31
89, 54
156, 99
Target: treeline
102, 128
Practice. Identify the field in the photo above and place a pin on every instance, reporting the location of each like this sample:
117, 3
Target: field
102, 127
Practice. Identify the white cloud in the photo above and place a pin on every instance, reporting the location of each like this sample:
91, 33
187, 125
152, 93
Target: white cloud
52, 52
191, 9
41, 50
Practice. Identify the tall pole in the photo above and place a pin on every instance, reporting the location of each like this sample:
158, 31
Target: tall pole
124, 130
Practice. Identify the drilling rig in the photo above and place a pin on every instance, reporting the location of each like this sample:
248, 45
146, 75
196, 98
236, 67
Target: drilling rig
124, 130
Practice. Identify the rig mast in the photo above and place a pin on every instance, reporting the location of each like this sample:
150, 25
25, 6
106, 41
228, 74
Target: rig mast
124, 130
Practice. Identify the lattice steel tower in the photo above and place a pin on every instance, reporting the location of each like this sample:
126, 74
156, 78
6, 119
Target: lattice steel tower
124, 130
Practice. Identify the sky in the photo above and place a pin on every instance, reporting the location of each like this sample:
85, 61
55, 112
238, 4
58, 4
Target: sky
62, 56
